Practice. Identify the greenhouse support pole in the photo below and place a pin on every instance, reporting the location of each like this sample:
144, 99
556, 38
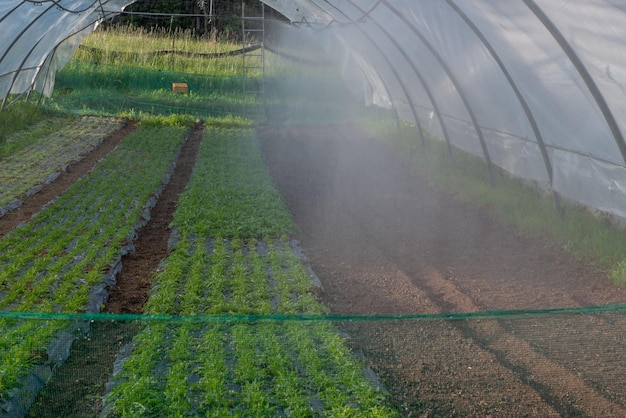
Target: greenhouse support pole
403, 87
22, 32
456, 84
47, 78
583, 72
9, 13
412, 105
399, 79
396, 117
520, 97
21, 66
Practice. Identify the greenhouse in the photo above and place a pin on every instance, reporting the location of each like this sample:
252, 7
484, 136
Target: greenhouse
346, 208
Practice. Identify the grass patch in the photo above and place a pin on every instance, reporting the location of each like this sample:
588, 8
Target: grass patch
591, 239
103, 89
178, 51
124, 71
22, 123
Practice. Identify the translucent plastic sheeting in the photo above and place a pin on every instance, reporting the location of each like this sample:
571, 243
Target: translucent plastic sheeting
513, 82
39, 37
537, 87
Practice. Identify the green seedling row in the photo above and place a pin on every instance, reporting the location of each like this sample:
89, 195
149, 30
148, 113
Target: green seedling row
62, 142
241, 201
52, 263
257, 369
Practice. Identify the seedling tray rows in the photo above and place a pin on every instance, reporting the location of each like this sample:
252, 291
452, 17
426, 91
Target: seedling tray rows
27, 170
210, 362
64, 257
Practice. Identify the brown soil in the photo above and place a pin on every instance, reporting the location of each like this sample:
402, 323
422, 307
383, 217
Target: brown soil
130, 292
384, 241
33, 203
76, 388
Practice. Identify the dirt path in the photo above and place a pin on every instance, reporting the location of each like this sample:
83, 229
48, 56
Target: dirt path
383, 241
133, 283
76, 388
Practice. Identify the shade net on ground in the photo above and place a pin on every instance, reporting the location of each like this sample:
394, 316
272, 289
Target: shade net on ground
502, 364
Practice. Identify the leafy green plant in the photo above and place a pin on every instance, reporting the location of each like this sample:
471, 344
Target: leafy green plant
52, 263
258, 367
35, 154
241, 201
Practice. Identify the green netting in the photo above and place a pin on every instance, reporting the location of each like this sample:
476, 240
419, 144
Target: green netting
128, 71
514, 363
110, 89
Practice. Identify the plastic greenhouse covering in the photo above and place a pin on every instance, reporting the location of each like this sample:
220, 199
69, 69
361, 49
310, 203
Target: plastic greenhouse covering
236, 325
535, 87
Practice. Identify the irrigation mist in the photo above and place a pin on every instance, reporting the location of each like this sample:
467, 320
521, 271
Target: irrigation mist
352, 194
344, 187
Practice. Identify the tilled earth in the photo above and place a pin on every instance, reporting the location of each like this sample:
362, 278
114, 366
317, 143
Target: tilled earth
384, 241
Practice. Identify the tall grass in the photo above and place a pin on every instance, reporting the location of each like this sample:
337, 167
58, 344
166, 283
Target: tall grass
129, 71
159, 49
596, 240
23, 117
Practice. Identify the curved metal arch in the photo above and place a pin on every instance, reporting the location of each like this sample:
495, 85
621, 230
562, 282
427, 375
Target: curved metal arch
422, 80
520, 97
49, 56
386, 87
54, 50
402, 84
22, 32
583, 72
454, 81
431, 96
393, 70
21, 66
388, 91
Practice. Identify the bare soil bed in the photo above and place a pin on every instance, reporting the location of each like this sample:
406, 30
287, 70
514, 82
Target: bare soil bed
384, 241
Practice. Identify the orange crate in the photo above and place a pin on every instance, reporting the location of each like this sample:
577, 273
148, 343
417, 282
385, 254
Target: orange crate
180, 88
